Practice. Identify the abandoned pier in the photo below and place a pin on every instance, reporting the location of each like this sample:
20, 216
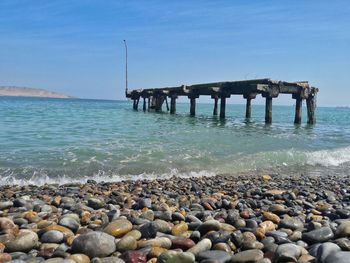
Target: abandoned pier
153, 99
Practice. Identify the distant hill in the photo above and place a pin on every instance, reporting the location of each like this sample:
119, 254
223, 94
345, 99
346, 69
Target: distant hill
30, 92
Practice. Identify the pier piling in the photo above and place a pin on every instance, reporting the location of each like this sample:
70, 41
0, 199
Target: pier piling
298, 109
144, 104
268, 110
173, 104
222, 107
215, 110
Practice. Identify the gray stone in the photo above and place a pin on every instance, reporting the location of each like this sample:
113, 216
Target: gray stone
210, 225
343, 229
23, 242
52, 236
325, 250
247, 256
149, 230
203, 245
96, 203
70, 223
5, 205
288, 252
320, 235
218, 255
172, 256
291, 223
339, 257
94, 244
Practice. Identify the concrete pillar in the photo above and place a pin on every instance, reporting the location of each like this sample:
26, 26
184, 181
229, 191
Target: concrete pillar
248, 108
166, 103
298, 110
192, 106
268, 109
144, 104
311, 106
215, 110
173, 104
149, 103
222, 107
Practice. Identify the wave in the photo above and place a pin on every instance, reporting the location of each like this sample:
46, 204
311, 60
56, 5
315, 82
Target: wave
328, 158
43, 179
287, 161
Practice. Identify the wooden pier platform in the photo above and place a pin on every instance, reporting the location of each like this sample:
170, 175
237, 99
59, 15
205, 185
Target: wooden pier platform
249, 89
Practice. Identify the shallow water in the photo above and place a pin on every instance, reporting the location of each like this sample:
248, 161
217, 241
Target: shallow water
55, 140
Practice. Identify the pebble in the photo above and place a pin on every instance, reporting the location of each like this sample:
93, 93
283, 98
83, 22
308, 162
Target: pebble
318, 236
247, 256
118, 228
218, 255
94, 244
24, 241
176, 257
203, 245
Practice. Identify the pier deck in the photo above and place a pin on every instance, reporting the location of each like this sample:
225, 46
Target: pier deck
249, 89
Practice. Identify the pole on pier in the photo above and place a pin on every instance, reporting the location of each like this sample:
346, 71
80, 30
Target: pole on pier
144, 104
149, 103
215, 110
268, 109
311, 106
298, 108
222, 107
192, 106
126, 67
173, 104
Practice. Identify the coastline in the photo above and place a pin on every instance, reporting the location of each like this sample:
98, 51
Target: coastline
225, 218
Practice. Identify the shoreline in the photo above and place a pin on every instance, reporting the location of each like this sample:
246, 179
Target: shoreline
226, 218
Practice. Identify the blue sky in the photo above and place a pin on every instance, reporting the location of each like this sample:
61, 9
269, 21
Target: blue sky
76, 46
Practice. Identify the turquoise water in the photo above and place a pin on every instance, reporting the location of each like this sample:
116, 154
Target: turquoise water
59, 141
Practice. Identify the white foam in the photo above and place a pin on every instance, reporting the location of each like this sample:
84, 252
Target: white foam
101, 176
328, 158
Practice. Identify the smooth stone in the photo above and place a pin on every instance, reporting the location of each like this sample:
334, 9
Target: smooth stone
163, 242
179, 229
52, 236
291, 223
5, 257
203, 245
339, 257
182, 243
343, 229
134, 257
23, 242
222, 247
94, 244
247, 256
210, 225
163, 226
343, 243
172, 256
288, 252
66, 231
126, 243
79, 258
144, 202
118, 228
5, 205
148, 230
220, 256
320, 235
325, 249
134, 233
107, 260
70, 223
96, 203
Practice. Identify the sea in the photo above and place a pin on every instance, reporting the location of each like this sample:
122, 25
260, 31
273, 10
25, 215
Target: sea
63, 141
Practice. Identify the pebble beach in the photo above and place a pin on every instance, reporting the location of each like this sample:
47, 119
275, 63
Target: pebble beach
226, 218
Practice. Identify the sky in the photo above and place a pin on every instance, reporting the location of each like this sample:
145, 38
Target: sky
76, 46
